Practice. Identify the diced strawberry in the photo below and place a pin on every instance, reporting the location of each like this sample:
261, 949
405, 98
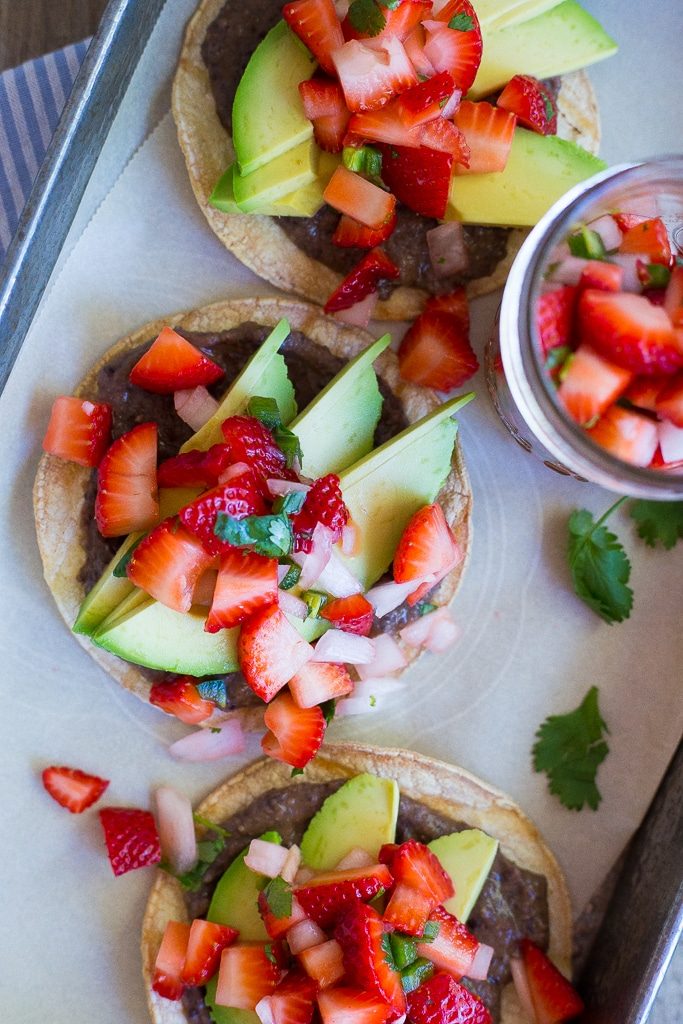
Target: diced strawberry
630, 331
206, 943
246, 582
359, 198
608, 277
454, 42
456, 303
414, 864
554, 998
352, 614
443, 1000
325, 106
407, 910
180, 697
427, 546
79, 431
555, 317
442, 135
453, 948
489, 132
344, 1005
246, 976
669, 401
250, 441
373, 72
384, 125
673, 297
237, 498
127, 497
590, 384
295, 734
277, 927
419, 178
643, 391
195, 468
72, 788
324, 504
131, 837
270, 651
293, 999
172, 363
648, 238
626, 435
317, 25
167, 979
362, 281
658, 461
360, 933
424, 101
533, 105
326, 896
168, 563
435, 352
350, 233
318, 681
626, 221
414, 47
323, 963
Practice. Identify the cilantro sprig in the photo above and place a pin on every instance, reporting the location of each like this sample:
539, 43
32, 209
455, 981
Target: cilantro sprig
269, 535
569, 749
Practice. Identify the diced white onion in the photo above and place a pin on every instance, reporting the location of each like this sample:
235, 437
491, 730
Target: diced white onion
447, 250
479, 967
266, 858
350, 538
344, 648
342, 8
388, 658
278, 488
264, 1010
292, 605
291, 865
360, 314
629, 262
387, 596
304, 935
670, 441
609, 231
444, 632
304, 874
195, 406
337, 580
369, 695
568, 270
207, 745
313, 563
175, 825
355, 858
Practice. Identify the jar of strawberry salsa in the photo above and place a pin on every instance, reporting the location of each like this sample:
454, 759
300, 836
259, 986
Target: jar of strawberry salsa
585, 363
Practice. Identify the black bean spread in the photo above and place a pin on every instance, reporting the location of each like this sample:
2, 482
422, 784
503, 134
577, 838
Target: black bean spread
512, 903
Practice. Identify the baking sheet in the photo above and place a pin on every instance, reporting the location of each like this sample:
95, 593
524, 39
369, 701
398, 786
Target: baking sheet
528, 647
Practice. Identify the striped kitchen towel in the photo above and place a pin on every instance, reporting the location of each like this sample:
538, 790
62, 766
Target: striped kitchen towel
31, 100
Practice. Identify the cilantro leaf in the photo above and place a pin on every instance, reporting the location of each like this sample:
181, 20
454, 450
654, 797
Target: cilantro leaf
366, 17
266, 535
207, 852
599, 566
296, 771
658, 521
328, 708
569, 749
462, 22
278, 895
215, 690
266, 410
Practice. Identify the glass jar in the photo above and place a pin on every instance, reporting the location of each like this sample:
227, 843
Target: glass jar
519, 384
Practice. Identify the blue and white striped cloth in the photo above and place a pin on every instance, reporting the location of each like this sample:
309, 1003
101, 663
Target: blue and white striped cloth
31, 100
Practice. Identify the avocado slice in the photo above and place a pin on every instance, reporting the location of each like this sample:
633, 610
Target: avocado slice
564, 38
495, 14
389, 485
266, 375
234, 902
362, 813
338, 427
540, 169
268, 117
302, 202
467, 857
295, 169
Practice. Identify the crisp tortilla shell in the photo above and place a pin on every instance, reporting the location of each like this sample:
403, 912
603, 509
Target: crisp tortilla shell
443, 787
59, 489
258, 241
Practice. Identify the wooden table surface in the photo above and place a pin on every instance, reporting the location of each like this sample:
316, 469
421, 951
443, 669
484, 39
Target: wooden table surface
29, 28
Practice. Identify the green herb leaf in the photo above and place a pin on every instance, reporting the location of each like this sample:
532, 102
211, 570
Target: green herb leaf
207, 852
214, 690
288, 443
549, 106
266, 410
366, 17
413, 976
426, 608
122, 564
569, 750
462, 22
599, 566
431, 930
653, 275
385, 943
403, 948
291, 577
658, 521
278, 895
266, 535
268, 950
556, 359
296, 771
328, 708
290, 503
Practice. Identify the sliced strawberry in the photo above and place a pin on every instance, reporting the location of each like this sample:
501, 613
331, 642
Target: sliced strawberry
167, 980
590, 384
630, 331
295, 734
325, 107
425, 101
554, 998
419, 178
79, 431
357, 197
324, 504
414, 47
372, 72
168, 563
626, 435
414, 864
127, 497
246, 582
454, 42
270, 651
436, 352
195, 468
73, 788
384, 125
427, 547
326, 896
250, 441
608, 277
238, 498
362, 281
180, 697
442, 135
673, 297
489, 132
277, 927
453, 948
533, 105
344, 1005
648, 238
131, 837
669, 401
317, 25
350, 233
456, 303
360, 933
323, 963
318, 681
172, 363
293, 999
352, 614
247, 974
206, 942
443, 1000
555, 317
643, 391
408, 910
